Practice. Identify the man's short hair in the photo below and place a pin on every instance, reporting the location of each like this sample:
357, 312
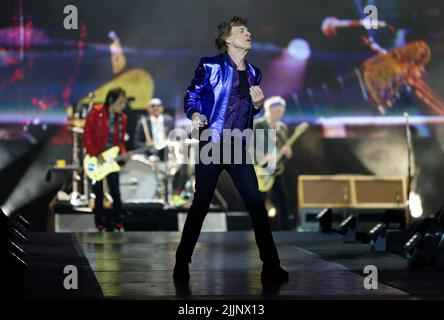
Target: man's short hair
275, 101
224, 30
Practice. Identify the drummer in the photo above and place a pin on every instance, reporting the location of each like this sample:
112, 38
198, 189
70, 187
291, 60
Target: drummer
153, 128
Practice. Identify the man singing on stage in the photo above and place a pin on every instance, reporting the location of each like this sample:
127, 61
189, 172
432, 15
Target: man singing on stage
106, 127
225, 95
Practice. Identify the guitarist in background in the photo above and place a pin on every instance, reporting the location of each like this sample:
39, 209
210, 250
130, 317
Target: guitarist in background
106, 127
274, 110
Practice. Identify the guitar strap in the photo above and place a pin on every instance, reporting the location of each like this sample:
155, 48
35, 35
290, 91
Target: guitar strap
120, 134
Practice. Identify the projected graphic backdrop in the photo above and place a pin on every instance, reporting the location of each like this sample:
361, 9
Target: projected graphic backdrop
330, 69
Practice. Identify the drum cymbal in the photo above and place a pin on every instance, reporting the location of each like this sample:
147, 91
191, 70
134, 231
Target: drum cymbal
76, 129
80, 123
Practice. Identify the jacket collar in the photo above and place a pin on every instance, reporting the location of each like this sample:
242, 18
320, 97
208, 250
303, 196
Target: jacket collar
230, 61
226, 57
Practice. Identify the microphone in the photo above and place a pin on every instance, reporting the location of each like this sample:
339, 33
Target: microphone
203, 118
331, 24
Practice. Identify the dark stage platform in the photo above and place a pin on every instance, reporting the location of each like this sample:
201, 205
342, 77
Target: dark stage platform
138, 265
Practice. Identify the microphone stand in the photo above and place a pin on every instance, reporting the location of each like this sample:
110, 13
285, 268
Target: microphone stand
409, 163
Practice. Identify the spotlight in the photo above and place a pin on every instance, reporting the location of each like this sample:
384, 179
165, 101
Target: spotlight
350, 221
23, 222
427, 249
13, 237
272, 212
299, 49
377, 230
17, 251
325, 218
3, 235
415, 205
18, 237
378, 238
348, 229
5, 211
411, 244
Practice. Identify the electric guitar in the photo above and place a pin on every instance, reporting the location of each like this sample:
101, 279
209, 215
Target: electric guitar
265, 173
97, 171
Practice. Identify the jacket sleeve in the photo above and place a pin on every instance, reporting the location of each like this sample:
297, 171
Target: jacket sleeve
258, 81
139, 136
196, 90
89, 134
169, 124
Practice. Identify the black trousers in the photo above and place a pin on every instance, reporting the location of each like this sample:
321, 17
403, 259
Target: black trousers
245, 180
99, 212
279, 197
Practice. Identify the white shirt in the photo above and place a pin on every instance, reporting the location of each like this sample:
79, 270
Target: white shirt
158, 128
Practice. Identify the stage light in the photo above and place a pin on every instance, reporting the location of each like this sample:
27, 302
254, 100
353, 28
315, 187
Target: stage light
325, 218
3, 234
349, 222
13, 238
33, 184
299, 49
415, 205
378, 238
384, 238
285, 74
5, 211
272, 212
376, 230
348, 229
411, 244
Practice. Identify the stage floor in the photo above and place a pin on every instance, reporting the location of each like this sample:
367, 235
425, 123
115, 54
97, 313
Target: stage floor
138, 265
225, 266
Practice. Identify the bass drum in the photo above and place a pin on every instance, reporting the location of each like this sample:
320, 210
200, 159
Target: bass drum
138, 182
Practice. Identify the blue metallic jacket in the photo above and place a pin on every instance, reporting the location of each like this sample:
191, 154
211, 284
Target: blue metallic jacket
209, 92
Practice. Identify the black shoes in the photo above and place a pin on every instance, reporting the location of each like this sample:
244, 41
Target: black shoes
274, 273
119, 227
181, 272
270, 273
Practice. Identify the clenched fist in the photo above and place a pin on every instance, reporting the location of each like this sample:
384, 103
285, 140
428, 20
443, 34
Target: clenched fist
257, 96
198, 120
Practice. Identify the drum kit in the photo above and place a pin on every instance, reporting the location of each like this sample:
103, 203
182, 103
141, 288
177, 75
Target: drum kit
148, 178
